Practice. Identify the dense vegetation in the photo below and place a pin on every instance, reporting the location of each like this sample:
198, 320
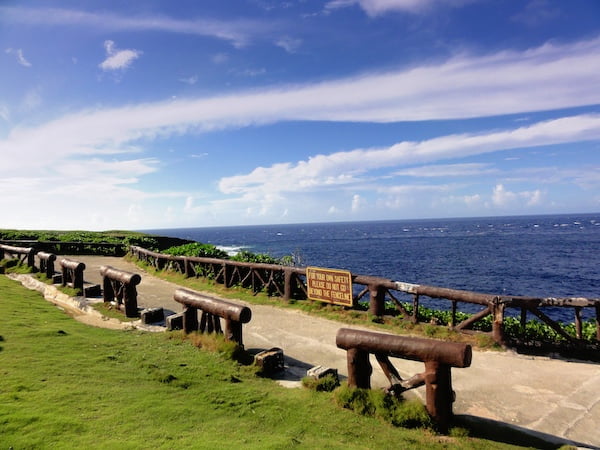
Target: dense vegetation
68, 385
211, 251
125, 238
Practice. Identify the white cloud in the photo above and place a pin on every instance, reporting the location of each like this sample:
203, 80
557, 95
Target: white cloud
118, 59
344, 168
19, 55
502, 83
357, 203
551, 76
504, 198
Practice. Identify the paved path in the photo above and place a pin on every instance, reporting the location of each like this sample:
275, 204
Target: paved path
556, 398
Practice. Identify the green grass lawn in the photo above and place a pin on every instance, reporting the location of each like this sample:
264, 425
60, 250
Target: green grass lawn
67, 385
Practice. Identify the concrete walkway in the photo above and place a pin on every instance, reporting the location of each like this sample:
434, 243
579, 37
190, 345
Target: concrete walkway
557, 399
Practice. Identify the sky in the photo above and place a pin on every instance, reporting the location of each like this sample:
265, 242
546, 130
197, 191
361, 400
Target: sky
162, 114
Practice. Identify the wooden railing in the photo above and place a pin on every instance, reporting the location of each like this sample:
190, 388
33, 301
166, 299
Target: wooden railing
290, 283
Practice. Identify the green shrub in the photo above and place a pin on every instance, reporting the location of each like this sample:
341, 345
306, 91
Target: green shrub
398, 412
196, 249
326, 384
261, 258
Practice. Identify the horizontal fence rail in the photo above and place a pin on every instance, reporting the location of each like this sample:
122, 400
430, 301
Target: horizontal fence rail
290, 283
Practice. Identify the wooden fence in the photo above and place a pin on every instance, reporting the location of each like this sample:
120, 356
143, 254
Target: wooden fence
290, 283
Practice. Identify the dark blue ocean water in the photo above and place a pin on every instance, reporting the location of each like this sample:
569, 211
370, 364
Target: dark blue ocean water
545, 256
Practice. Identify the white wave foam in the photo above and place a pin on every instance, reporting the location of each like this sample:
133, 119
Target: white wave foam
232, 250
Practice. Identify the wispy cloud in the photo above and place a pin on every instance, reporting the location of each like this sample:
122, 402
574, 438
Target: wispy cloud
32, 100
238, 32
289, 44
344, 168
4, 113
537, 12
448, 170
118, 59
18, 53
378, 7
220, 58
189, 80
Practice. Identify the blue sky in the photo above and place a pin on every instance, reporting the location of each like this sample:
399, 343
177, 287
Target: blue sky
162, 114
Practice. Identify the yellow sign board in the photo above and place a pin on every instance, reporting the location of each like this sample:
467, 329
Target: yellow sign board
329, 285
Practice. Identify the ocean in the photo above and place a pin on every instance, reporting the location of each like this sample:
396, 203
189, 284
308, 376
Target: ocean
540, 256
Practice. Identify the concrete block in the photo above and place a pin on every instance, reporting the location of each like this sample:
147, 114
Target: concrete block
93, 290
270, 361
152, 315
175, 322
319, 372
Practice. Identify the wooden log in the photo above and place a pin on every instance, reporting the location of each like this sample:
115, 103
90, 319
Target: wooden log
120, 275
474, 318
418, 349
498, 322
359, 368
388, 369
578, 324
438, 394
213, 305
376, 299
415, 314
72, 273
190, 319
47, 263
233, 331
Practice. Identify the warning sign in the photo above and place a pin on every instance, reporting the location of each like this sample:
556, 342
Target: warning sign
329, 285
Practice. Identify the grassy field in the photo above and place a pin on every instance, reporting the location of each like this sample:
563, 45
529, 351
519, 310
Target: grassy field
66, 385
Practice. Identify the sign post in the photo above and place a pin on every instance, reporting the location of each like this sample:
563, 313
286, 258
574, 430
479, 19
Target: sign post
329, 285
